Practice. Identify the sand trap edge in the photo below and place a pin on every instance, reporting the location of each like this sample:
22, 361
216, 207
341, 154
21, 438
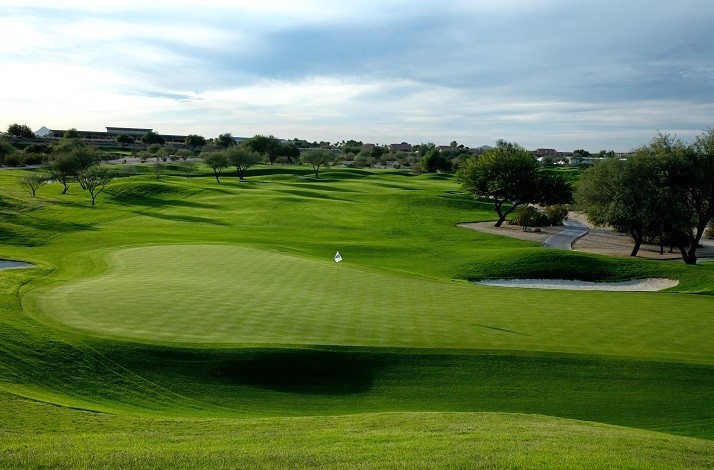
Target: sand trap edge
633, 285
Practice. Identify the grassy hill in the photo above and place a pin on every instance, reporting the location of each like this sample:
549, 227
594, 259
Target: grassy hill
185, 323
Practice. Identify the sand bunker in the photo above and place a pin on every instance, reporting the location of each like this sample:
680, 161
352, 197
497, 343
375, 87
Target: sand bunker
640, 285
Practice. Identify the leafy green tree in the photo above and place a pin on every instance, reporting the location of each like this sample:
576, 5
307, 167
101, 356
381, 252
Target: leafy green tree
640, 196
693, 183
242, 158
317, 158
290, 151
434, 161
31, 182
506, 174
20, 131
351, 147
217, 160
69, 158
267, 146
94, 179
225, 140
62, 167
152, 137
124, 140
195, 140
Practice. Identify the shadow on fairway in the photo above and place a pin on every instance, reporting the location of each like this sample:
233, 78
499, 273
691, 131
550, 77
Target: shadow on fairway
304, 372
181, 218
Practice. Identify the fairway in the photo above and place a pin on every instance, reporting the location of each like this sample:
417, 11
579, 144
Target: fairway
188, 323
234, 295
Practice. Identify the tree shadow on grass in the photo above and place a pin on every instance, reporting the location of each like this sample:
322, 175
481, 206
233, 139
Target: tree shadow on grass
313, 195
303, 372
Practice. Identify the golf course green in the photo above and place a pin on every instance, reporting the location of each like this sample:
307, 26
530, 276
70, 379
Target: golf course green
184, 323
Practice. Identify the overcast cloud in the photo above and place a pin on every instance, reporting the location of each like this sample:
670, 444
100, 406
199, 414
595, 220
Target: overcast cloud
554, 73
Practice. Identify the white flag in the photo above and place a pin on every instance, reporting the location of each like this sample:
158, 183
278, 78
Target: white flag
338, 258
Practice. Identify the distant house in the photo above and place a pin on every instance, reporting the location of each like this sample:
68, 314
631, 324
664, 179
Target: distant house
546, 152
403, 147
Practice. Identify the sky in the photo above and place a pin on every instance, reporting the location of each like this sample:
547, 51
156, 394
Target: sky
563, 74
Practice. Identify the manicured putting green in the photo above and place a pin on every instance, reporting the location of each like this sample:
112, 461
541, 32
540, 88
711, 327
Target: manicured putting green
231, 295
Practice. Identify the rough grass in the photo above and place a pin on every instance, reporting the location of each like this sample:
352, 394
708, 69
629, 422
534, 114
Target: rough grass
385, 440
445, 363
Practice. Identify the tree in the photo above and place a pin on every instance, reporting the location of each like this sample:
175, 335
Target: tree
217, 161
94, 179
317, 158
195, 140
188, 167
508, 175
152, 137
158, 167
434, 161
225, 140
694, 187
62, 167
20, 131
644, 196
268, 146
71, 134
70, 157
242, 158
32, 182
124, 140
290, 151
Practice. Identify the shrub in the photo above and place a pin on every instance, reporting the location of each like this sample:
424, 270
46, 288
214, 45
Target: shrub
529, 216
556, 213
13, 159
710, 231
31, 158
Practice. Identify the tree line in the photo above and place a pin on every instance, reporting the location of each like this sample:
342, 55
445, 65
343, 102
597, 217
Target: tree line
662, 194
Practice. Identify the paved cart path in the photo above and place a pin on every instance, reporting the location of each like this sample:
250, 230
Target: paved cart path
564, 239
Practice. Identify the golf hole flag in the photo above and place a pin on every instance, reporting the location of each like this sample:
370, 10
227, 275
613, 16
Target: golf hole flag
338, 258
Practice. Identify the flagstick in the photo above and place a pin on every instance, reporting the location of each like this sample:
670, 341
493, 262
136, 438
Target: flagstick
338, 259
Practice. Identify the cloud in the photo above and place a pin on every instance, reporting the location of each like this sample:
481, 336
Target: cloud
542, 73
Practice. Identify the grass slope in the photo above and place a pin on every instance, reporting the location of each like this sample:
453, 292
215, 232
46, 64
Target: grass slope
148, 306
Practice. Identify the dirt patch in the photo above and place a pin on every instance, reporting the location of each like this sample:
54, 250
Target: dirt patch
600, 240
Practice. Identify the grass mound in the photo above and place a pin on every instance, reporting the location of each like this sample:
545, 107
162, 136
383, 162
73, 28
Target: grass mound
559, 264
147, 192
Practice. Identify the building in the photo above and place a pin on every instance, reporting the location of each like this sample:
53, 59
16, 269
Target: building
403, 147
112, 132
